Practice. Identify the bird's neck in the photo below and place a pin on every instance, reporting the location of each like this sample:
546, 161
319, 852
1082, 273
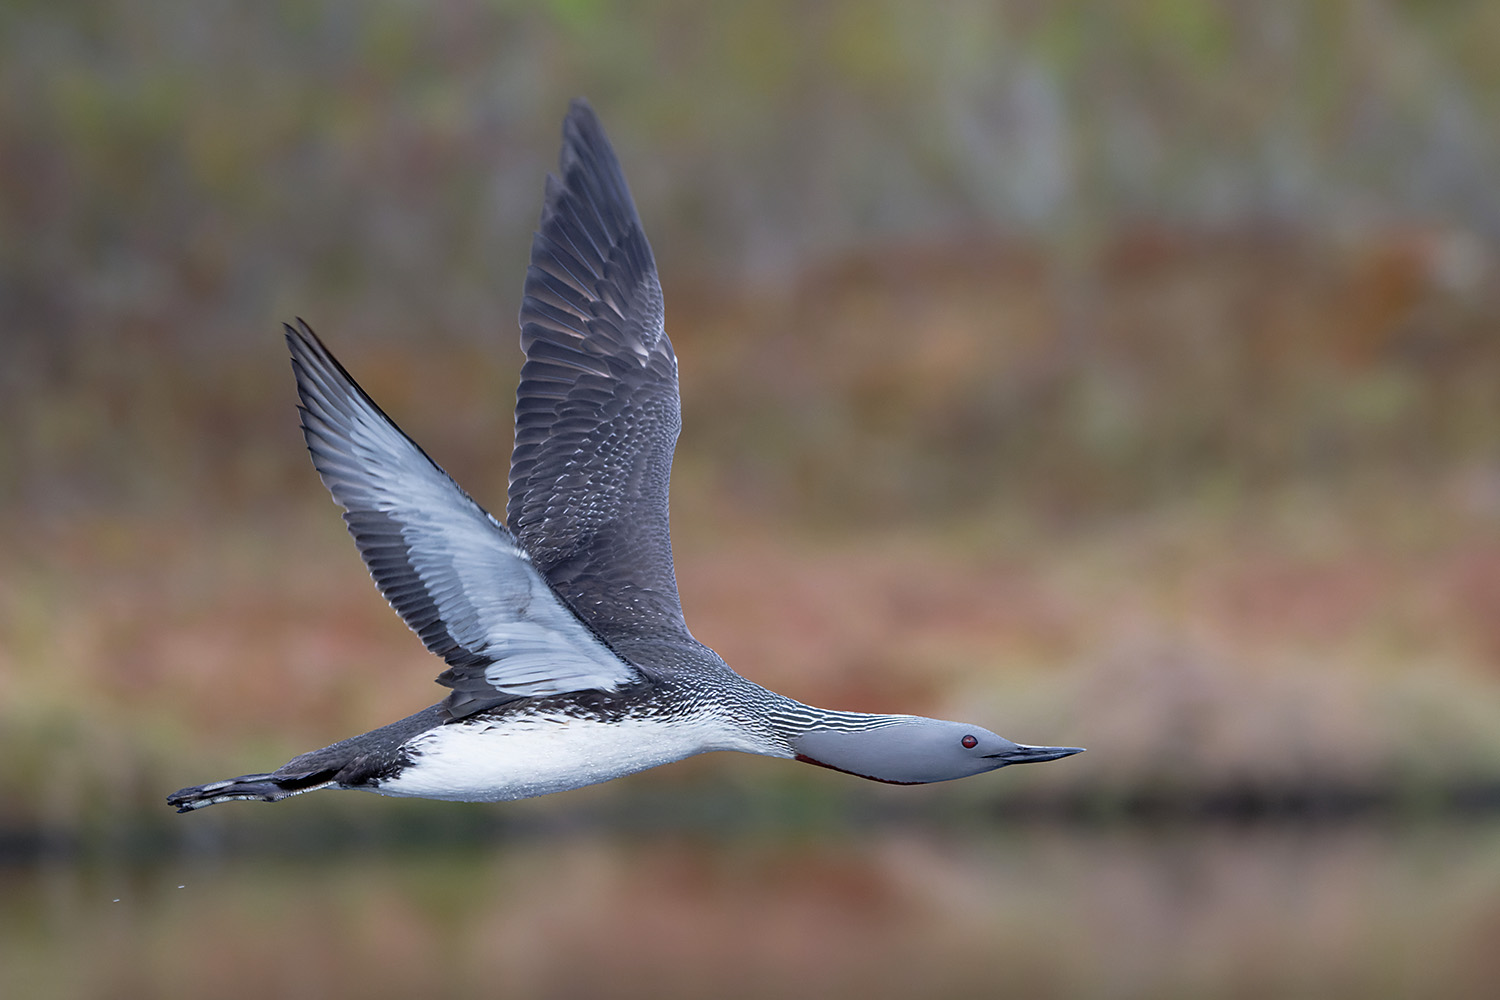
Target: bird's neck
792, 720
858, 743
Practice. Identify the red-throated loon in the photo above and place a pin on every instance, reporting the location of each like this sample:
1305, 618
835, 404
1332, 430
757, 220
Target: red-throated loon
568, 658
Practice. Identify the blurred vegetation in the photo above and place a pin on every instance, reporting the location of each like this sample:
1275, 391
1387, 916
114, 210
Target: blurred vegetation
1120, 374
1107, 249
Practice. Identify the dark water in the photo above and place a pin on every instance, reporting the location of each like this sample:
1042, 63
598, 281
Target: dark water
1037, 911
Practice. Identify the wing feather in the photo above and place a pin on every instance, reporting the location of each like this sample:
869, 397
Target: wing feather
597, 412
456, 576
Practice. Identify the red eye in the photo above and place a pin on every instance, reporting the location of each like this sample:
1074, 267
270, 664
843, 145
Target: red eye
969, 742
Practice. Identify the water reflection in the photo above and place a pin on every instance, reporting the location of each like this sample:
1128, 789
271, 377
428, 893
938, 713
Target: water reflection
1034, 912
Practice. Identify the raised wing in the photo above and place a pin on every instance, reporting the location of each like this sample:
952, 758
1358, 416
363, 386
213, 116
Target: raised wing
597, 412
451, 571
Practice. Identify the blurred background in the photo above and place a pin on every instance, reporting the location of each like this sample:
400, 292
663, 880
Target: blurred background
1123, 375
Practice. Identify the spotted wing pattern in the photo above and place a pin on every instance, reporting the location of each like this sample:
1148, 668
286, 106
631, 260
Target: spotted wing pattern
597, 411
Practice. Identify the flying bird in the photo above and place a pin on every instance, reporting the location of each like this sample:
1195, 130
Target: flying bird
568, 660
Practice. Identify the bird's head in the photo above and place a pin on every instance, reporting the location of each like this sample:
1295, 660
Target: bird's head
911, 750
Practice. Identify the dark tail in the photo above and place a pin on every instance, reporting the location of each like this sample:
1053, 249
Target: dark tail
351, 763
249, 787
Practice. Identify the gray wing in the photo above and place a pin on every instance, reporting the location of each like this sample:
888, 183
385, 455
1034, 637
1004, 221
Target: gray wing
597, 411
454, 574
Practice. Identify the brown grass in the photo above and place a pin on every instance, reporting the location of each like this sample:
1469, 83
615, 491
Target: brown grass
997, 534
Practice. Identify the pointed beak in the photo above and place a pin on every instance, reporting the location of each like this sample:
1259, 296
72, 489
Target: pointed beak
1024, 754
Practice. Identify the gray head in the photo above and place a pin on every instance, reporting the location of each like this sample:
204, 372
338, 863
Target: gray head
911, 750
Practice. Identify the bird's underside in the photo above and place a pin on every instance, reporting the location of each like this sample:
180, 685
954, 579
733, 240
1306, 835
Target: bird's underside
518, 749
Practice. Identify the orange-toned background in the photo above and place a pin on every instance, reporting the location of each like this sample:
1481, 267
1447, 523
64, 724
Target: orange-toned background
1120, 375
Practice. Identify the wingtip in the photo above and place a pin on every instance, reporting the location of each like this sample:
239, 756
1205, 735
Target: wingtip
581, 119
582, 130
308, 350
301, 331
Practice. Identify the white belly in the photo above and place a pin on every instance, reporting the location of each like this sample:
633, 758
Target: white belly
519, 758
